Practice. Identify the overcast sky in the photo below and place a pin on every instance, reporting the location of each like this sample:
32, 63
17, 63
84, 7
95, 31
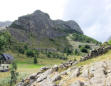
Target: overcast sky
93, 16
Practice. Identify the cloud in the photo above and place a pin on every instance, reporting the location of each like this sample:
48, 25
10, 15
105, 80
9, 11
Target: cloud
92, 15
12, 9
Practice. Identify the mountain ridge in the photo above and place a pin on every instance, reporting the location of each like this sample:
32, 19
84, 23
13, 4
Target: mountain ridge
40, 31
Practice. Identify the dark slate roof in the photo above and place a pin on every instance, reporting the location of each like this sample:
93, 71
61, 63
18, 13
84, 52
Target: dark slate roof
8, 57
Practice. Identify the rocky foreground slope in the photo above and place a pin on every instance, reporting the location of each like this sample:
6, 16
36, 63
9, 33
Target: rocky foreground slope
96, 74
68, 74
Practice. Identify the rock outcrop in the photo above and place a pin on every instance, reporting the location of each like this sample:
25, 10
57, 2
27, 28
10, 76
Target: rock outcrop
96, 74
96, 52
68, 74
39, 25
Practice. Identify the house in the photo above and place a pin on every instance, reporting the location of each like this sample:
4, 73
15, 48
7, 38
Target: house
4, 67
5, 60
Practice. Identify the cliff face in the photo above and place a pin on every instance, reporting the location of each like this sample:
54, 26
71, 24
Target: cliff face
40, 25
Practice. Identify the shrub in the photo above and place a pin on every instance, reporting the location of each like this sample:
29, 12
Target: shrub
84, 50
21, 50
83, 38
30, 53
87, 46
80, 46
109, 42
68, 50
5, 38
76, 52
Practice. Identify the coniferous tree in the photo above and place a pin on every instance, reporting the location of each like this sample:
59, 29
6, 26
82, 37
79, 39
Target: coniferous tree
35, 59
14, 74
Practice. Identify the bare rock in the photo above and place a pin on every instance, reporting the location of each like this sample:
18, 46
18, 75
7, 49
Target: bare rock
56, 78
75, 72
77, 83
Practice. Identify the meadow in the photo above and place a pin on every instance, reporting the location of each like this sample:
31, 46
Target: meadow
25, 66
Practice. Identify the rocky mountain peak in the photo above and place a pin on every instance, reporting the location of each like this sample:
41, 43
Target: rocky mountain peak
39, 25
40, 13
39, 20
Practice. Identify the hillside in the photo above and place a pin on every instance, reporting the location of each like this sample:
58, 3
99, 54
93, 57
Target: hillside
95, 71
41, 32
49, 41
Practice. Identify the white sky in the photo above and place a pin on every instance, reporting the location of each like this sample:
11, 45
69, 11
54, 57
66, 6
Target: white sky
93, 16
12, 9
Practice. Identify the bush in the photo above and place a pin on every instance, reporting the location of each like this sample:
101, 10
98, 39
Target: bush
109, 42
80, 46
84, 50
30, 53
21, 50
83, 38
87, 46
68, 50
5, 40
56, 55
76, 52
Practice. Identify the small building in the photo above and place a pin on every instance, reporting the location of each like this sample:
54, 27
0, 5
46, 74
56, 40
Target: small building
5, 60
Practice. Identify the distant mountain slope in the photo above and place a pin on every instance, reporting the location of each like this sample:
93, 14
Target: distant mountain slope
40, 31
5, 24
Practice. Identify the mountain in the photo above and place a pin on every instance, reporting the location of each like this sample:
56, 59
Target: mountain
39, 31
5, 24
40, 25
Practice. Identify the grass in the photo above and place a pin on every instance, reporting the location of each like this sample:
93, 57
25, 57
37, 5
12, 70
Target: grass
5, 80
69, 81
26, 67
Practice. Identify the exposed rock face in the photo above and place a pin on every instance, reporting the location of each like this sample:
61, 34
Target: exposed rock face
67, 74
39, 25
96, 74
96, 52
